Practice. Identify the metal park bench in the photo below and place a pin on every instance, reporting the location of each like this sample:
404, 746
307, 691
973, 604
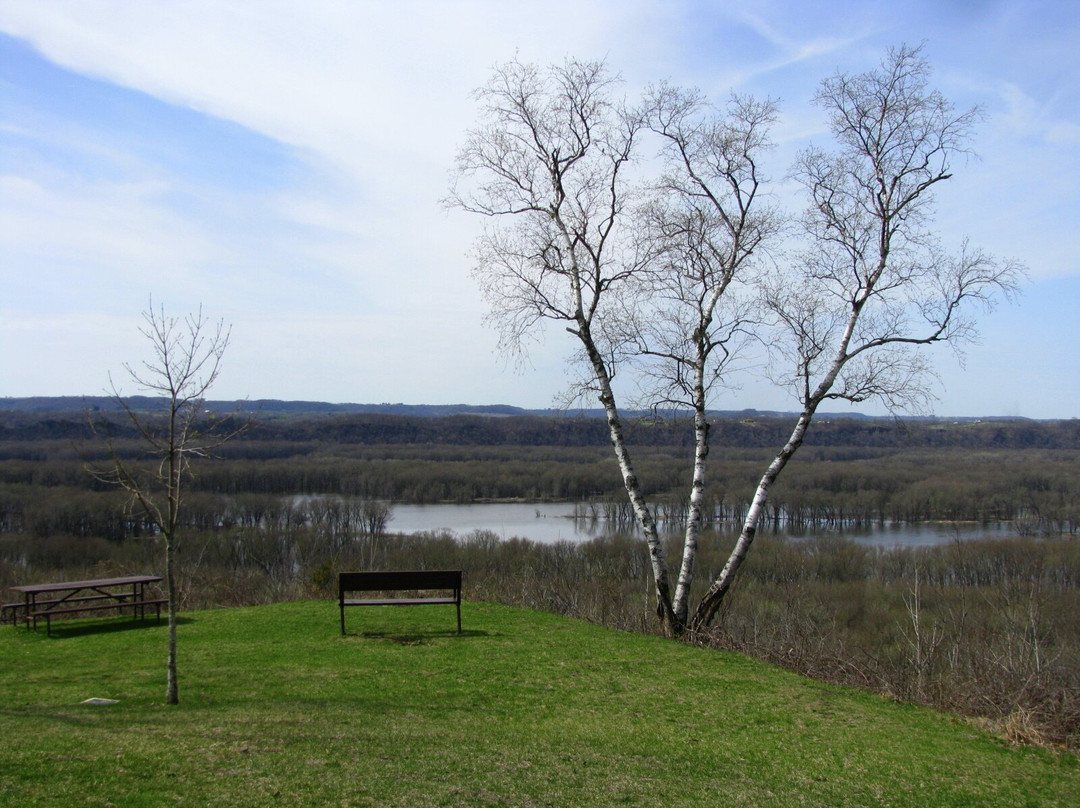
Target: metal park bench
415, 581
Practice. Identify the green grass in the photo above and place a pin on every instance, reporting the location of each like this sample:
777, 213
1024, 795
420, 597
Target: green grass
523, 709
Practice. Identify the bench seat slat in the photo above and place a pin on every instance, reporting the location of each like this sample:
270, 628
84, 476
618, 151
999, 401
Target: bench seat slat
397, 601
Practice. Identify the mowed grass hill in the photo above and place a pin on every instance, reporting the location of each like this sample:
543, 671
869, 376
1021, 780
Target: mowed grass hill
523, 708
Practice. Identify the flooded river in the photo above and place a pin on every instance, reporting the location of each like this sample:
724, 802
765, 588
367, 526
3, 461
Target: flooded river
553, 522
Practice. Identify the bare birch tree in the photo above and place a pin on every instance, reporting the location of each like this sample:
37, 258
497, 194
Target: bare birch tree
873, 287
185, 363
709, 223
666, 282
549, 167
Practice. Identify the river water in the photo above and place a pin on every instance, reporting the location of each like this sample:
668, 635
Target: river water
553, 522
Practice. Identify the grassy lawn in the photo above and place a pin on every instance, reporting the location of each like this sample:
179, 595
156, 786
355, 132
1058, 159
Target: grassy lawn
523, 709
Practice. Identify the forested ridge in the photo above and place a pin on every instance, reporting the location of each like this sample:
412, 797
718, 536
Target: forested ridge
36, 420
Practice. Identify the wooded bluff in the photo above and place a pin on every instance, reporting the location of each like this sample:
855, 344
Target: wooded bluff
69, 417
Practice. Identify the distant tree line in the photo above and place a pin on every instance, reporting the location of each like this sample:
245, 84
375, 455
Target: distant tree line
745, 431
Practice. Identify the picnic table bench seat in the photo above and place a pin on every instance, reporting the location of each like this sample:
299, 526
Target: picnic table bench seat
10, 611
446, 581
138, 608
49, 600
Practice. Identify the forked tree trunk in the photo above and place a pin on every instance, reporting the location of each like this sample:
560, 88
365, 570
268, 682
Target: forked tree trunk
713, 599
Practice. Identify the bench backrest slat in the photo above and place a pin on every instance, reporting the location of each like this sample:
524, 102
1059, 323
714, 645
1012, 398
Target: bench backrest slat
397, 580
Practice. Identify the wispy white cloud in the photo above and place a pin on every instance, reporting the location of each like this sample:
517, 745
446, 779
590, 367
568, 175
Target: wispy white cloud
106, 227
283, 163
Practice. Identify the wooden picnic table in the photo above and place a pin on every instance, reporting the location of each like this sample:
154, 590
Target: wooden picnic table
45, 601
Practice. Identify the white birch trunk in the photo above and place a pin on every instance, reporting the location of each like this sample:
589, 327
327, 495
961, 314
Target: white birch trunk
681, 603
633, 490
709, 605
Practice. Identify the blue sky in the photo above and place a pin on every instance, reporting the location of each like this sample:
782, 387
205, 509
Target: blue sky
281, 163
